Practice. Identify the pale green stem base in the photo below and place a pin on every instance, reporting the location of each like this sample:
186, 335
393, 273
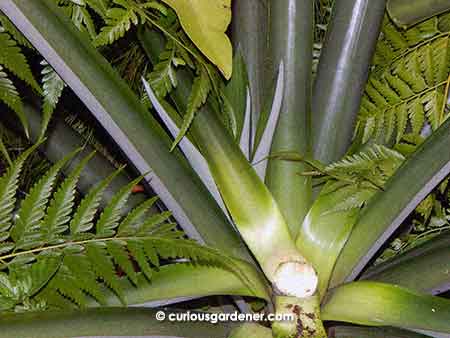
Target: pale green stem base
307, 322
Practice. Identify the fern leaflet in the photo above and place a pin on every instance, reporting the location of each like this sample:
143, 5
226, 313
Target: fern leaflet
53, 86
12, 58
199, 94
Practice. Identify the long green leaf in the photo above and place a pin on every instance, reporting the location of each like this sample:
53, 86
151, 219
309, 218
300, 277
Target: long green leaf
378, 304
104, 322
176, 282
406, 13
388, 209
425, 268
342, 73
125, 118
291, 35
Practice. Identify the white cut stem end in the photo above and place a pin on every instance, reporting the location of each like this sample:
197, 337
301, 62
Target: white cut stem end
296, 279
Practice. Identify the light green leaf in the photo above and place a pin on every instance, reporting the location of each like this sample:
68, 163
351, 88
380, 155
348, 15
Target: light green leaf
205, 21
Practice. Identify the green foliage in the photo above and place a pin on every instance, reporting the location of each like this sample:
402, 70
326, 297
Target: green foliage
162, 78
78, 11
10, 95
408, 82
199, 93
8, 27
53, 86
13, 60
118, 20
59, 251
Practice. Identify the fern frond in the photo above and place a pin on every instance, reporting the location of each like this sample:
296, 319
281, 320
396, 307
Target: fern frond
199, 93
4, 151
12, 58
83, 20
66, 284
52, 86
408, 94
131, 221
82, 220
86, 280
118, 250
9, 95
8, 187
395, 42
162, 79
376, 165
103, 267
8, 27
110, 217
58, 213
118, 20
99, 6
32, 208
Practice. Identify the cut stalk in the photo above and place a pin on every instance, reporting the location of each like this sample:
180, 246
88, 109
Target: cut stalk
342, 74
406, 13
290, 42
306, 314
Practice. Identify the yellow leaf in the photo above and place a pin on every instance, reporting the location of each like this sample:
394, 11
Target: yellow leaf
205, 22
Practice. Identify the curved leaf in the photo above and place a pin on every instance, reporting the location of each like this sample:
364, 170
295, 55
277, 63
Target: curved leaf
378, 304
205, 21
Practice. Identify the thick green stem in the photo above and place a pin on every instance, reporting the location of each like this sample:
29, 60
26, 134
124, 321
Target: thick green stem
103, 322
306, 318
291, 40
342, 74
406, 13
